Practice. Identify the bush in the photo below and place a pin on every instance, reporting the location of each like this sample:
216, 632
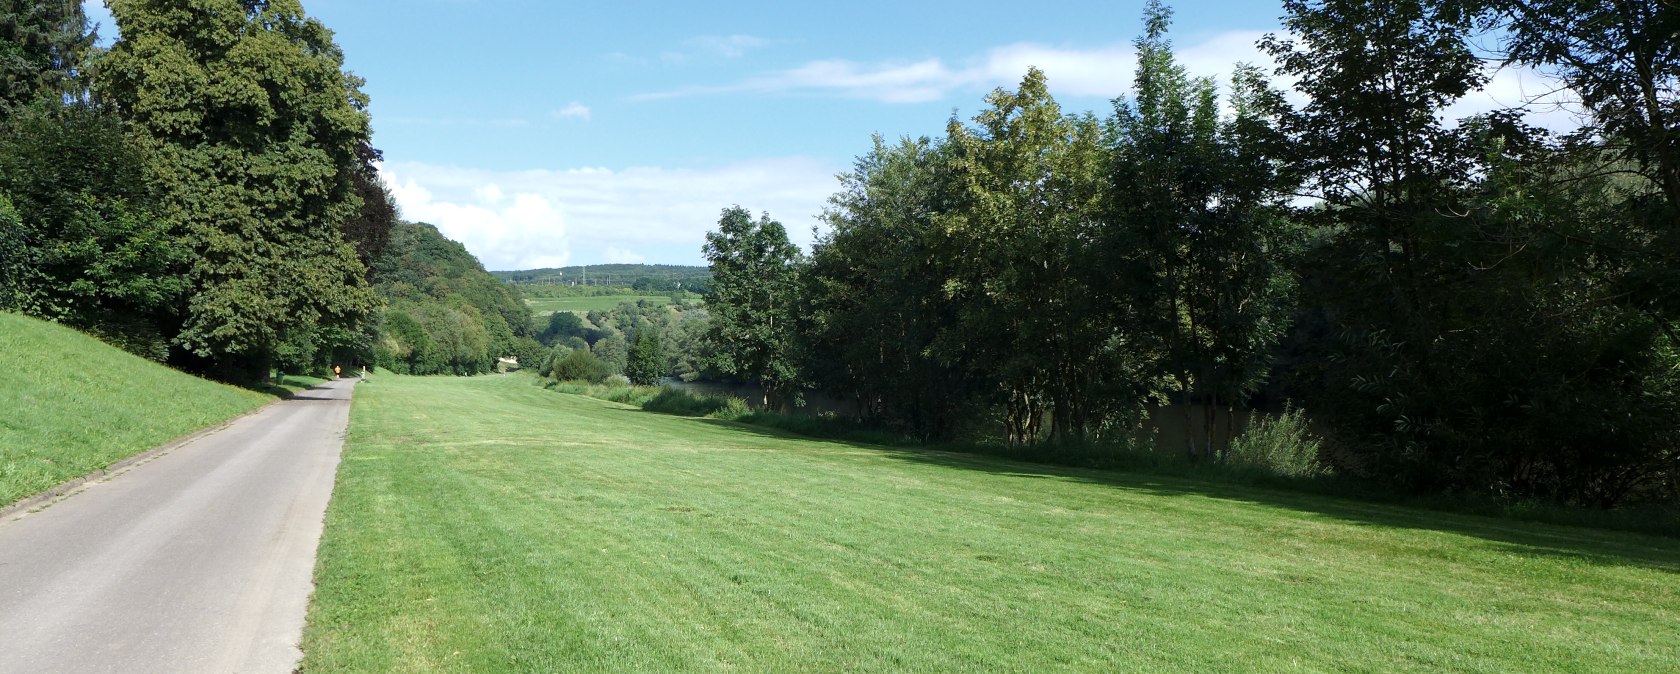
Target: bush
618, 380
1282, 445
676, 401
580, 366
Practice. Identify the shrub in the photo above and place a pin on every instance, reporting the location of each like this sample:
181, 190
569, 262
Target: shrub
676, 401
580, 366
1281, 445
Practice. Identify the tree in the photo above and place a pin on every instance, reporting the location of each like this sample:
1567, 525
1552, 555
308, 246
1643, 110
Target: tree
613, 352
1199, 226
873, 298
96, 255
751, 299
647, 359
252, 130
561, 324
1025, 194
1623, 59
44, 47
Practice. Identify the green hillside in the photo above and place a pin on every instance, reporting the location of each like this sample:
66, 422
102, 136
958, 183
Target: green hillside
444, 314
658, 276
71, 404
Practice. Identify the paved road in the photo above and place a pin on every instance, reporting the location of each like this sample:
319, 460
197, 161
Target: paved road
197, 561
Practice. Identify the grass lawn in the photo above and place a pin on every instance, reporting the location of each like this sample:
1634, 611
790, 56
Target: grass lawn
71, 405
485, 525
582, 305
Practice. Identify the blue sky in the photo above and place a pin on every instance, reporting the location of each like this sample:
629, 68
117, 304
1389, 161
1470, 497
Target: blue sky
547, 133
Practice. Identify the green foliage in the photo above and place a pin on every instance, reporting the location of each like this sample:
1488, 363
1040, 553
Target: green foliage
751, 299
1025, 189
1492, 331
446, 314
647, 364
44, 49
560, 325
1281, 445
251, 129
580, 365
13, 260
1201, 233
93, 253
676, 401
873, 298
613, 352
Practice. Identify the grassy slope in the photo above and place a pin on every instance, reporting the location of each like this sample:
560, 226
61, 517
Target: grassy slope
584, 305
70, 405
487, 525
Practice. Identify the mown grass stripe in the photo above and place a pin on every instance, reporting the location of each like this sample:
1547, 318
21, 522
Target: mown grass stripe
488, 525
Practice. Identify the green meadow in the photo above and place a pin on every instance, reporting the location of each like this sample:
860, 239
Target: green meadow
71, 405
583, 305
485, 524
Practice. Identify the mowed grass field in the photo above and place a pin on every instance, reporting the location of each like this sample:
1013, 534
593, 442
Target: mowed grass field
484, 525
543, 306
71, 404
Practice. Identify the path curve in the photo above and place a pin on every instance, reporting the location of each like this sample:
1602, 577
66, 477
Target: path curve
198, 561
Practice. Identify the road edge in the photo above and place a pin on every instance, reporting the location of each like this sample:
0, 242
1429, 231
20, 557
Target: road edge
71, 487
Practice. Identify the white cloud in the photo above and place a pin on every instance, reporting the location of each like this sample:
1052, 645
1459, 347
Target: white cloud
525, 233
727, 46
1544, 101
574, 110
713, 46
1103, 71
533, 219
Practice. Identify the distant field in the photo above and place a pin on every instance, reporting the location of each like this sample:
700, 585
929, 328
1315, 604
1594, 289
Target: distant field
486, 525
543, 306
71, 405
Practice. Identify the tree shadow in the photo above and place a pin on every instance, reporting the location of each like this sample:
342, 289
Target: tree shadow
1596, 546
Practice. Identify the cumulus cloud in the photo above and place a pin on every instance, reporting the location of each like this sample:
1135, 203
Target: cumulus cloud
548, 218
524, 232
574, 110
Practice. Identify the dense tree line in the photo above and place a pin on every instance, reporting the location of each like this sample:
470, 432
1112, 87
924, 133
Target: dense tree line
202, 192
1462, 305
643, 341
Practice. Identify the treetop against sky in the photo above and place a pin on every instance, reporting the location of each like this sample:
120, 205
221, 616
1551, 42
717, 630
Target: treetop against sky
541, 134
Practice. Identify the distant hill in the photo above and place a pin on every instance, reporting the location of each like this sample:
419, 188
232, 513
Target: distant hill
445, 314
71, 404
654, 277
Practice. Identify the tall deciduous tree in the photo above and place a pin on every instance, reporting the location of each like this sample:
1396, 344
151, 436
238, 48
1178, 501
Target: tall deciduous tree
1025, 197
252, 127
1199, 227
874, 294
755, 272
1622, 57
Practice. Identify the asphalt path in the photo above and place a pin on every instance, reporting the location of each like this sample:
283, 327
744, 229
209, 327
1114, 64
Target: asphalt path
197, 561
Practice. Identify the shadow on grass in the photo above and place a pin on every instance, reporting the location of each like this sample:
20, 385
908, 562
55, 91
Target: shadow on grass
1596, 546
